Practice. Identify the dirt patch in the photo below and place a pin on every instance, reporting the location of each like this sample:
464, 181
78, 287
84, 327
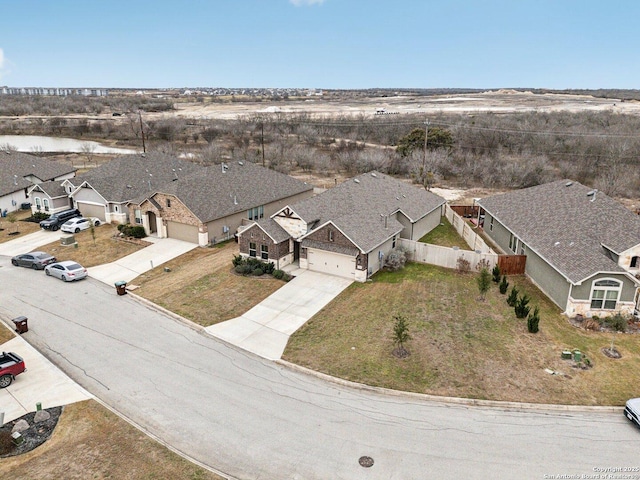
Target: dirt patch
611, 352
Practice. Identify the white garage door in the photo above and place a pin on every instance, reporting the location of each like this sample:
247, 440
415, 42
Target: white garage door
181, 231
90, 210
332, 263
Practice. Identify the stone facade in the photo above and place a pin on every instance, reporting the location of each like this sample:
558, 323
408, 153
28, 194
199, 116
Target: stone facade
254, 234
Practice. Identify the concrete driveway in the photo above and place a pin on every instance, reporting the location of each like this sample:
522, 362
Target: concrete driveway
42, 382
127, 268
28, 243
265, 329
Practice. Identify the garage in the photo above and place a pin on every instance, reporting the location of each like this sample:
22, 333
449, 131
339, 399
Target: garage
331, 263
182, 231
91, 210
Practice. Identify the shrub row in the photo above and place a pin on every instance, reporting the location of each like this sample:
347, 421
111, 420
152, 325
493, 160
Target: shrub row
253, 266
135, 231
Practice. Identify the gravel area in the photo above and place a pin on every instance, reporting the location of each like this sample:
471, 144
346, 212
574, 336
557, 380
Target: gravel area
34, 436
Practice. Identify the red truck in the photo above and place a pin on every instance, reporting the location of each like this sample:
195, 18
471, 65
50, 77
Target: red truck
10, 366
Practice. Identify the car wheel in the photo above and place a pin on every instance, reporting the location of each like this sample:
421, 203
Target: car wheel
97, 223
5, 381
34, 266
64, 278
54, 228
48, 272
14, 263
77, 230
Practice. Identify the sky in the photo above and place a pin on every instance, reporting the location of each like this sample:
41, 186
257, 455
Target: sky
331, 44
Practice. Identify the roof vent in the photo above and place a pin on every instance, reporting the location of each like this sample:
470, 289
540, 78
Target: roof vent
592, 194
356, 180
397, 198
373, 174
235, 200
241, 163
568, 184
143, 155
224, 167
556, 244
129, 186
404, 196
15, 179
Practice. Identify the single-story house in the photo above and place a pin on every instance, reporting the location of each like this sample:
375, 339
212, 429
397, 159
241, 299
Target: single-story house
20, 171
105, 191
582, 247
212, 203
49, 198
346, 231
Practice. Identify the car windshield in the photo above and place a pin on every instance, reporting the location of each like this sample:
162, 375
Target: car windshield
41, 255
73, 266
69, 222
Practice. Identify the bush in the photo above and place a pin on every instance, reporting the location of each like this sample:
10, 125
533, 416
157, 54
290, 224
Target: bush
278, 274
484, 282
521, 308
37, 217
395, 260
533, 320
463, 265
513, 297
503, 285
617, 322
496, 274
237, 260
135, 231
268, 268
257, 272
239, 269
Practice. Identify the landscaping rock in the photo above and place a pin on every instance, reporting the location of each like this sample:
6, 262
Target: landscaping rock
41, 416
20, 426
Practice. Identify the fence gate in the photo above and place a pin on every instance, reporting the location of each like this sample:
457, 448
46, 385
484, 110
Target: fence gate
512, 264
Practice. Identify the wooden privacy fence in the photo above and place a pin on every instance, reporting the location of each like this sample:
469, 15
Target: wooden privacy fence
466, 231
444, 256
512, 264
465, 210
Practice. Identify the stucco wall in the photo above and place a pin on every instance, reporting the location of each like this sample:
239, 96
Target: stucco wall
426, 224
583, 292
88, 195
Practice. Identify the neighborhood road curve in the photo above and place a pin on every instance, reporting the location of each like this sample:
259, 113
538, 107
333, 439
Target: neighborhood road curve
255, 419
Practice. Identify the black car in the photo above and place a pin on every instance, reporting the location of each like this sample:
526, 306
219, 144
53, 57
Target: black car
57, 219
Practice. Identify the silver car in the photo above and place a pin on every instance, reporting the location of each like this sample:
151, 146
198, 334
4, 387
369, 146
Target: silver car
35, 260
66, 271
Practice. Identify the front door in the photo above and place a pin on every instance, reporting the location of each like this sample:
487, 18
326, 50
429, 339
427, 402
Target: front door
296, 251
153, 224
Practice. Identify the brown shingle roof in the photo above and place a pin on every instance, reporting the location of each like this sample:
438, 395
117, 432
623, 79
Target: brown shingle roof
23, 165
560, 222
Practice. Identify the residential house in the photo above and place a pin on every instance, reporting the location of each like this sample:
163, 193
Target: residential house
20, 171
210, 204
582, 247
346, 231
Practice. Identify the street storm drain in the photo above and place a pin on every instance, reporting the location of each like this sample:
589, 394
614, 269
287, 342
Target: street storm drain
365, 462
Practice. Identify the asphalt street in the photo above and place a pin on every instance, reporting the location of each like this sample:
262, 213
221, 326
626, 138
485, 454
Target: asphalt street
256, 419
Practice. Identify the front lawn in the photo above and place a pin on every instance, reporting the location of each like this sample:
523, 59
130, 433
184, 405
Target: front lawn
8, 228
202, 287
460, 345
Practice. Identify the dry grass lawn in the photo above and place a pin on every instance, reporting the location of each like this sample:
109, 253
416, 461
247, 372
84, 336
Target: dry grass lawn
461, 346
202, 287
8, 228
89, 254
91, 442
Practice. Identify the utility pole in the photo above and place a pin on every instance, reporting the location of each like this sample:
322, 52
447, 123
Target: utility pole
262, 140
425, 180
144, 148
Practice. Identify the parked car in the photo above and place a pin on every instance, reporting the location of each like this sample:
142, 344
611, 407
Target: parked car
66, 271
57, 219
35, 260
79, 223
632, 410
10, 366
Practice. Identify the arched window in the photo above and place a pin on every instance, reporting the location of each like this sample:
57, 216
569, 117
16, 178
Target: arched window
46, 204
635, 262
605, 294
38, 203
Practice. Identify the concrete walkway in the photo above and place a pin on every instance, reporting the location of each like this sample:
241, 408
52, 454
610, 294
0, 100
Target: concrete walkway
265, 329
42, 382
127, 268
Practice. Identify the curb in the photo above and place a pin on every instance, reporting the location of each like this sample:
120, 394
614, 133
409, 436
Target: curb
469, 402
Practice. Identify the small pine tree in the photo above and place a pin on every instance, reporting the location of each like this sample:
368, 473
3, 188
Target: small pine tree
513, 297
400, 335
533, 320
521, 308
504, 285
496, 274
484, 282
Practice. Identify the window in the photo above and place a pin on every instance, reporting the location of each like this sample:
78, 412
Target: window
393, 245
256, 213
46, 204
252, 249
522, 248
138, 216
264, 252
168, 202
491, 224
635, 261
605, 294
38, 203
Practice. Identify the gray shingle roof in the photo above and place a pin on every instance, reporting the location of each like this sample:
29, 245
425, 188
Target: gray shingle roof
331, 247
273, 229
363, 208
565, 227
133, 176
53, 189
211, 193
23, 165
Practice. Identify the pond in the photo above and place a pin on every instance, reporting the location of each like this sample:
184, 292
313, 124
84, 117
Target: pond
36, 144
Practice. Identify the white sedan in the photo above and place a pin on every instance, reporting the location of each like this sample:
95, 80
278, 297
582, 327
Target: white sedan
79, 223
66, 271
